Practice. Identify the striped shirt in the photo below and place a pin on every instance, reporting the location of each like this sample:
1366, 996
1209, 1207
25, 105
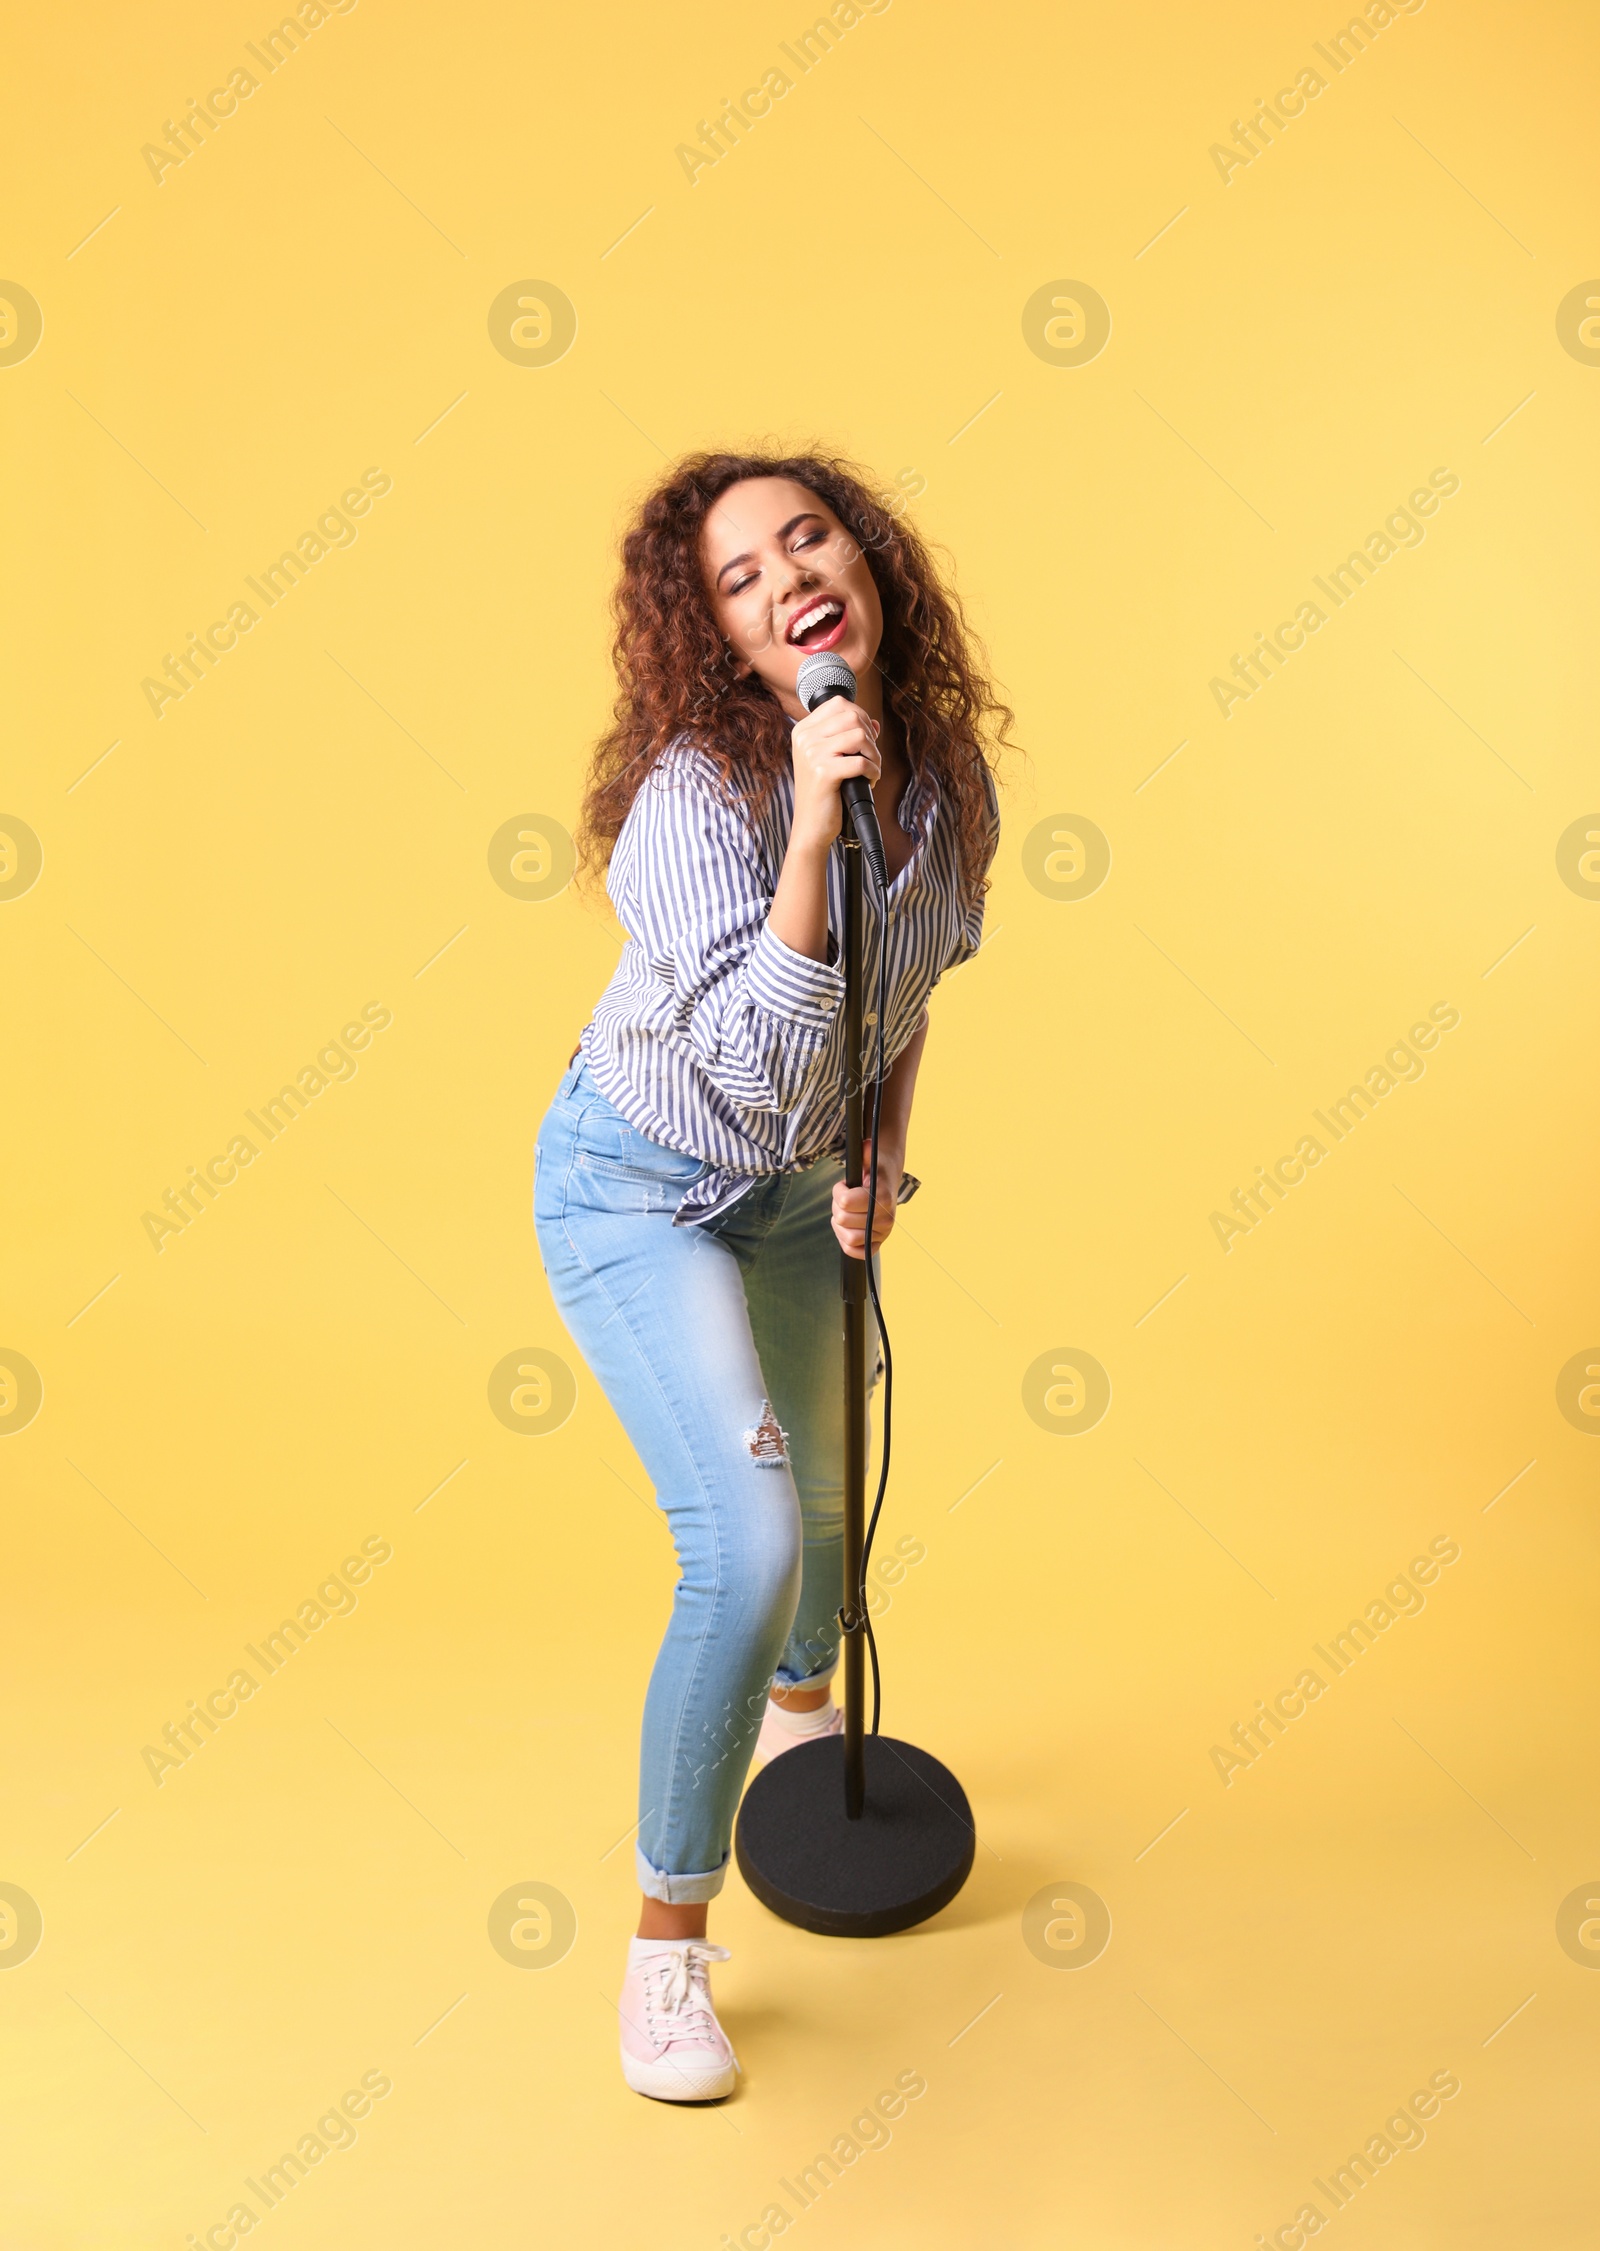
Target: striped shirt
716, 1038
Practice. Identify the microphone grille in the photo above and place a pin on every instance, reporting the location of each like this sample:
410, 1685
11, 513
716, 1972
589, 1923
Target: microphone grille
823, 676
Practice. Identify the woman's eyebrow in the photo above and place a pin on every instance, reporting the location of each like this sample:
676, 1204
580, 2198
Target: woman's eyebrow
806, 515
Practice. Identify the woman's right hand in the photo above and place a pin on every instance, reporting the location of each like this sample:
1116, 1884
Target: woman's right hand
830, 744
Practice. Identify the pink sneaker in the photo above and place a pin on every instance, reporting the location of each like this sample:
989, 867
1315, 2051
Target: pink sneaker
781, 1730
672, 2045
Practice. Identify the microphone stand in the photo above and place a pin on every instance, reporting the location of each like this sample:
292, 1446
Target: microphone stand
855, 1835
853, 1289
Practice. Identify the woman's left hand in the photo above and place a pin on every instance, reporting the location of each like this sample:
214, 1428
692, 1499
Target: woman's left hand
850, 1204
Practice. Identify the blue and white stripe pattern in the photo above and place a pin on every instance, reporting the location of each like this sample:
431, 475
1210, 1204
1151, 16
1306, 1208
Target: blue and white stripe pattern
713, 1036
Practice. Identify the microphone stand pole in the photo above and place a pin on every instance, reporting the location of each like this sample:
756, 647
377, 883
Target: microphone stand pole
853, 1289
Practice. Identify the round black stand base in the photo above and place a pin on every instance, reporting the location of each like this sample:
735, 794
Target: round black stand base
907, 1856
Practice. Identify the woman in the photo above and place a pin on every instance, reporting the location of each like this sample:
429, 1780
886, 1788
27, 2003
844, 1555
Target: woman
689, 1194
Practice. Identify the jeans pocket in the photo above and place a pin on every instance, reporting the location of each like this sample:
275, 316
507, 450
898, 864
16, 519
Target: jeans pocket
681, 1170
618, 1169
620, 1190
604, 1142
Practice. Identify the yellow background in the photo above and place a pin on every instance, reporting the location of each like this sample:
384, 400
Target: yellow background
304, 1366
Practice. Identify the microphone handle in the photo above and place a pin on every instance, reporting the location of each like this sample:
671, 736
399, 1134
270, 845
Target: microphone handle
855, 795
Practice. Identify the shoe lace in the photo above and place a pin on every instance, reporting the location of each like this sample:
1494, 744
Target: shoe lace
678, 1985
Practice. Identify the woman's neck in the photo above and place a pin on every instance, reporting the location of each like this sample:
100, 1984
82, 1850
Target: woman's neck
869, 692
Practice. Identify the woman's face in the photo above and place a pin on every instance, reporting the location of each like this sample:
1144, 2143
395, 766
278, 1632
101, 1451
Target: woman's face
785, 580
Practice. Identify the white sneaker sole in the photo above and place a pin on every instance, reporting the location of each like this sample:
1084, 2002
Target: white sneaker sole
677, 2082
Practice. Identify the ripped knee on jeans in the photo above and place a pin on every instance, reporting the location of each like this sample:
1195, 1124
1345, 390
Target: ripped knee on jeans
768, 1442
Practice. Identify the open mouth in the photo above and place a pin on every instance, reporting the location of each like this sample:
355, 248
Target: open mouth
820, 625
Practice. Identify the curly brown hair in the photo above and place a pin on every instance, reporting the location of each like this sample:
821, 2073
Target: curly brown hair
673, 666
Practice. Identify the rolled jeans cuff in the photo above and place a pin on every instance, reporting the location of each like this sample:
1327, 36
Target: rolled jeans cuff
677, 1891
819, 1679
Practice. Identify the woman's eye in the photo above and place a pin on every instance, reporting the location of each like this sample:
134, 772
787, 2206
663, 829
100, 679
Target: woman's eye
809, 540
739, 585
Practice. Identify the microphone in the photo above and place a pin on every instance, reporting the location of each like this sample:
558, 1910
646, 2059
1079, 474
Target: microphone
820, 679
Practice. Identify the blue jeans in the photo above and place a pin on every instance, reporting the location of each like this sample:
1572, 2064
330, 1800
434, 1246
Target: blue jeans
720, 1348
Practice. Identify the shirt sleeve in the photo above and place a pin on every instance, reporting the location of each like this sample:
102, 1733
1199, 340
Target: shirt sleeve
972, 926
691, 891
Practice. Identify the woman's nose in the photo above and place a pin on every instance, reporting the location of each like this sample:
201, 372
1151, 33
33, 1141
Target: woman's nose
800, 577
